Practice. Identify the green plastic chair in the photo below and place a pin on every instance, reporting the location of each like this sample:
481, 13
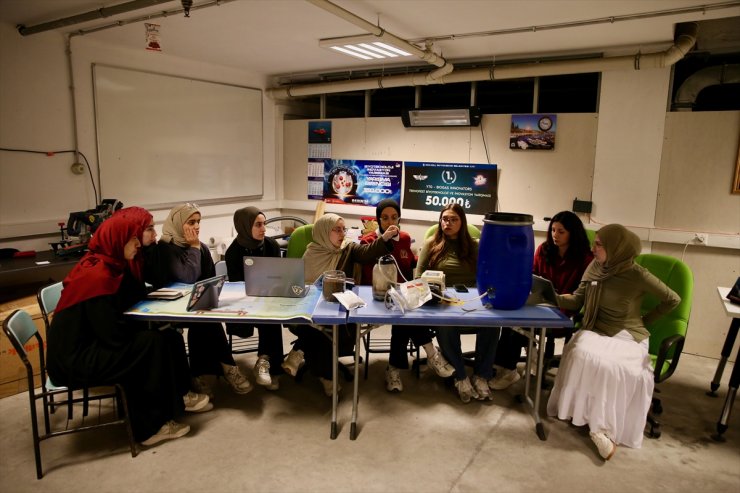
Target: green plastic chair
591, 235
668, 333
299, 240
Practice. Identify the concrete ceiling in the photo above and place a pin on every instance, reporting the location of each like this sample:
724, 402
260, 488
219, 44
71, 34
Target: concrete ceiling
280, 37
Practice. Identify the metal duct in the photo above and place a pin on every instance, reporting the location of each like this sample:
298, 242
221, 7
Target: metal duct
90, 16
710, 76
685, 40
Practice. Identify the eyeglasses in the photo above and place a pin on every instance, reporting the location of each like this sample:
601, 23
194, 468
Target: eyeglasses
450, 220
597, 243
338, 230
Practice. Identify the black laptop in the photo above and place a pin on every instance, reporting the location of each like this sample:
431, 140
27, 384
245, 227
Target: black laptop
204, 295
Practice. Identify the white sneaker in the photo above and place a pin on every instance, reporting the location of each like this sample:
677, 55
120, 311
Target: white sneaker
203, 384
465, 390
236, 379
604, 444
274, 383
262, 371
293, 362
440, 365
168, 431
480, 385
393, 381
504, 379
195, 402
326, 384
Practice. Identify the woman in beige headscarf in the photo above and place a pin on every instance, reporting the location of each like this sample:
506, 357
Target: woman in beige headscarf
605, 379
328, 251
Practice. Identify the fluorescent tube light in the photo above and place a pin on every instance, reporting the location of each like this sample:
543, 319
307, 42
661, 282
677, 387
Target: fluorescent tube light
365, 47
462, 117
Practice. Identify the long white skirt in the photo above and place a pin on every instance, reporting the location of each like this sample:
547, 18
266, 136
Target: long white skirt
607, 383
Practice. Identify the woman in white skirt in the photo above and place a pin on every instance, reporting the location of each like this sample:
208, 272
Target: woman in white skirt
605, 378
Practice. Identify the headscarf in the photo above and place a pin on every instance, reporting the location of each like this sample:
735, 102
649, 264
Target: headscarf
142, 218
622, 246
100, 271
172, 230
320, 254
383, 204
243, 221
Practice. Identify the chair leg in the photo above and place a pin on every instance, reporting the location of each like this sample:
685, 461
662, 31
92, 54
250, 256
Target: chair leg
654, 426
121, 397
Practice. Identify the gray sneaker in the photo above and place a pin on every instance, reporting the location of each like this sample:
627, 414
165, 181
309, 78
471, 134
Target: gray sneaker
465, 390
195, 402
262, 371
168, 431
236, 379
480, 385
293, 362
504, 379
440, 365
393, 381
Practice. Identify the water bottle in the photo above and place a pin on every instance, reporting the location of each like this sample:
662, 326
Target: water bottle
384, 276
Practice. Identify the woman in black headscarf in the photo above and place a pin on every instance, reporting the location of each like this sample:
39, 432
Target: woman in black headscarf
251, 241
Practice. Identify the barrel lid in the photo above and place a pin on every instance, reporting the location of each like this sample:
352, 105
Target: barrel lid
508, 218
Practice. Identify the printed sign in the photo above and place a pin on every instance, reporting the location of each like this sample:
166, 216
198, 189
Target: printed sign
431, 186
359, 182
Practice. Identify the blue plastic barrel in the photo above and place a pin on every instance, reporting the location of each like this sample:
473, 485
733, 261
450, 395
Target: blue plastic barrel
505, 256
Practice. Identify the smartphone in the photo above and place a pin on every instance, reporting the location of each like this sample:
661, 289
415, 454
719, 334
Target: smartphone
460, 288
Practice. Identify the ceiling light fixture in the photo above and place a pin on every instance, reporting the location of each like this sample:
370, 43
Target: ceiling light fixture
462, 117
364, 47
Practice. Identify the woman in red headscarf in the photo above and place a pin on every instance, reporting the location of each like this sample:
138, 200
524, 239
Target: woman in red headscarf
91, 343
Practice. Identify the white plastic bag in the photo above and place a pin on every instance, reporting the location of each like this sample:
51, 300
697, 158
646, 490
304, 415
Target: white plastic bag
409, 295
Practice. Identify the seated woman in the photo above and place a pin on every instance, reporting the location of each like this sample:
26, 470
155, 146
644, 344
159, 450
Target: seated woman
327, 252
605, 379
183, 258
388, 213
453, 251
562, 259
251, 241
91, 343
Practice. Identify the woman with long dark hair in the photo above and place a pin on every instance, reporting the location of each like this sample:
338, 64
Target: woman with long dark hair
562, 258
453, 251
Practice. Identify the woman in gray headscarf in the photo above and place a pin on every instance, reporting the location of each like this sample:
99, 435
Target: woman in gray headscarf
328, 251
605, 378
251, 241
184, 258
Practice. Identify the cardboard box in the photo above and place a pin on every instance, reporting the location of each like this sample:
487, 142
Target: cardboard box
12, 371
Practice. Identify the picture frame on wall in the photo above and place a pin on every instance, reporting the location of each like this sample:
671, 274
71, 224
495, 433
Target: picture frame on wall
736, 180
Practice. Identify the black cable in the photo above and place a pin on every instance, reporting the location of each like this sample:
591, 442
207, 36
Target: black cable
483, 138
52, 153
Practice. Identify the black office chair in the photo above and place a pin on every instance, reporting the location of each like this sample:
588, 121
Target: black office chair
20, 330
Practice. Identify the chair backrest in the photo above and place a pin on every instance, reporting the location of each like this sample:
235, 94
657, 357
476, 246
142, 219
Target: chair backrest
19, 328
299, 240
48, 297
591, 235
221, 269
677, 276
474, 232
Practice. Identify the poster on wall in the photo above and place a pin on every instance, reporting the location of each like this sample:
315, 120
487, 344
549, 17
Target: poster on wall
360, 182
533, 132
319, 139
431, 186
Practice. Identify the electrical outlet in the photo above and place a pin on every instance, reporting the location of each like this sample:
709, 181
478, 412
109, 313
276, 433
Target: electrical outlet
700, 238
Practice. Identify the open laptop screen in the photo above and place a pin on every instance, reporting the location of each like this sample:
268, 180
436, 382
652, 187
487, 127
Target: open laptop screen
274, 276
204, 295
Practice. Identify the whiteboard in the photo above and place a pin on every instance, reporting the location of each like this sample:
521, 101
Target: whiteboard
164, 140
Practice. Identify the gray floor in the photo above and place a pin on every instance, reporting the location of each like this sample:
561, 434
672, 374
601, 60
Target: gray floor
422, 440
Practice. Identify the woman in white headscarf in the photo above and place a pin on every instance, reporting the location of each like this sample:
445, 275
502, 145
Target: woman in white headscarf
184, 258
605, 378
327, 252
251, 241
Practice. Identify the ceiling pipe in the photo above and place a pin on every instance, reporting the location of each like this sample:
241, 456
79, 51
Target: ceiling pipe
101, 13
710, 76
427, 55
685, 40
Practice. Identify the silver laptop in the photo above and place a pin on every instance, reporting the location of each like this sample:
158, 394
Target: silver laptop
204, 295
274, 276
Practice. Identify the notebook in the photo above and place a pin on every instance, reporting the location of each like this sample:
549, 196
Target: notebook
544, 288
274, 276
204, 295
